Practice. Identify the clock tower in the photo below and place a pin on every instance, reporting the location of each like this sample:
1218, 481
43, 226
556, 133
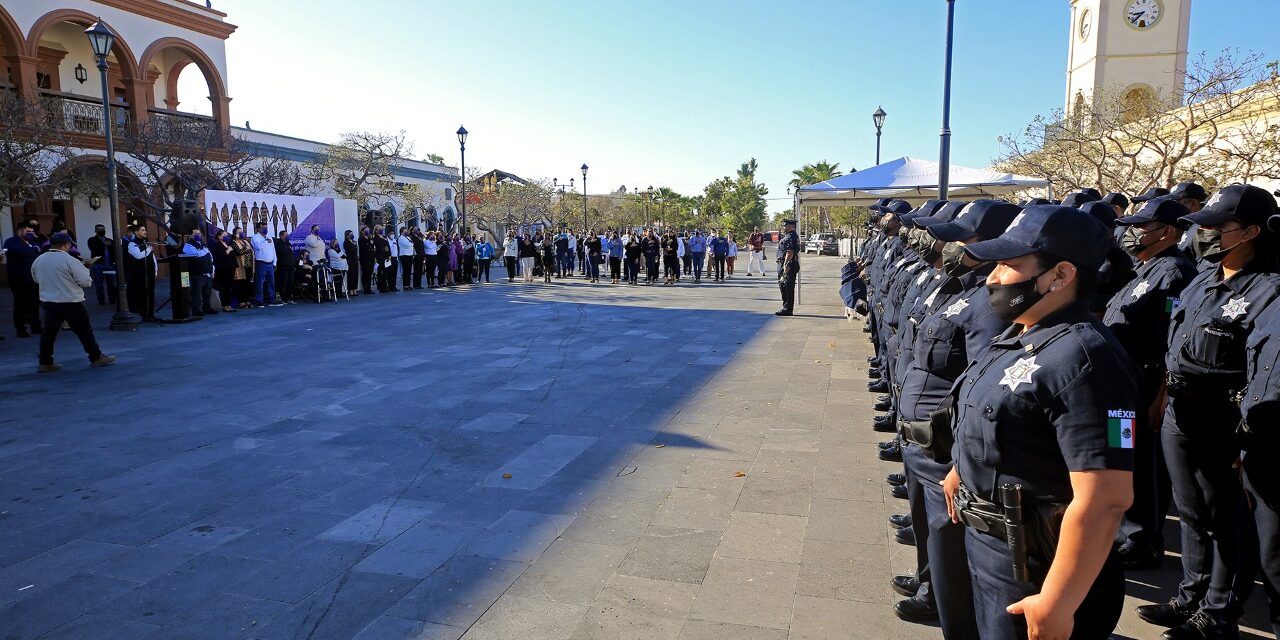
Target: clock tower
1136, 48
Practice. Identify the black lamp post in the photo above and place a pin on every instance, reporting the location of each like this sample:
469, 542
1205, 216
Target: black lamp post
102, 38
944, 152
878, 119
462, 147
584, 197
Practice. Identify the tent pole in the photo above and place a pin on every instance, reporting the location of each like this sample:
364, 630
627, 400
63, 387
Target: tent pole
796, 207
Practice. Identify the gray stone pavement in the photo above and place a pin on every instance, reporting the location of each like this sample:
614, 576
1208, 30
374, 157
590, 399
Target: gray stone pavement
514, 461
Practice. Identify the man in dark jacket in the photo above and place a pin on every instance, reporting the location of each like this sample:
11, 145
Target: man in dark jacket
20, 251
286, 262
104, 279
367, 260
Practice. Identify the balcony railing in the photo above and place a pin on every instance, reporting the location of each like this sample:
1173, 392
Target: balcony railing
183, 128
78, 114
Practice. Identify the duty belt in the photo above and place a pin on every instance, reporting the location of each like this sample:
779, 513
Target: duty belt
1003, 521
1180, 385
981, 515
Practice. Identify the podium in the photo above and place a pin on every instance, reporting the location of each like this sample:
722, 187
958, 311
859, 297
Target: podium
179, 289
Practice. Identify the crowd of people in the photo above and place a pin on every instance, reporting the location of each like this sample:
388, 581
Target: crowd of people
235, 270
1058, 375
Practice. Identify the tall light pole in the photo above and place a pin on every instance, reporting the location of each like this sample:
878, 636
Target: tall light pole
944, 153
584, 197
878, 119
101, 39
462, 177
648, 206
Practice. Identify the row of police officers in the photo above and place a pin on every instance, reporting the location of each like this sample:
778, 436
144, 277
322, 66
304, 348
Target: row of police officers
1057, 374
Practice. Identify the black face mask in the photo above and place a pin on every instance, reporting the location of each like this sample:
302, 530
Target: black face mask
1132, 243
1209, 245
1009, 301
953, 260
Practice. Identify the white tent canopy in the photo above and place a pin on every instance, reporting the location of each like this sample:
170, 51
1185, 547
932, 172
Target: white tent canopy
913, 180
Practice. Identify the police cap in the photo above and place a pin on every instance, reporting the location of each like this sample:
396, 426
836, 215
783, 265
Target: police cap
1243, 202
1164, 209
1063, 232
1189, 190
1116, 199
1152, 193
788, 221
1078, 199
946, 213
880, 204
1101, 211
896, 206
985, 219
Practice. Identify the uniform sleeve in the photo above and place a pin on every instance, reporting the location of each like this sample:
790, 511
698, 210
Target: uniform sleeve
1095, 414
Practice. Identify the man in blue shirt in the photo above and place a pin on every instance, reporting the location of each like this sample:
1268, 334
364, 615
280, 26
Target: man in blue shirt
719, 252
698, 249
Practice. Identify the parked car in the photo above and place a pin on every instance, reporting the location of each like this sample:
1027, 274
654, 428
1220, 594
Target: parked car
822, 243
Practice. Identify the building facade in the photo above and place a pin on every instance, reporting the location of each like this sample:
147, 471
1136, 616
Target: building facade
45, 54
1137, 48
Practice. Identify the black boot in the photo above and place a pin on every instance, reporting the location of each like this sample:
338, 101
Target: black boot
896, 479
905, 585
1169, 614
1203, 626
878, 386
918, 610
898, 492
905, 536
900, 521
882, 405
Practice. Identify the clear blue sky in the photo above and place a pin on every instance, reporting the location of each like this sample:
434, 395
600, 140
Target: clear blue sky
667, 92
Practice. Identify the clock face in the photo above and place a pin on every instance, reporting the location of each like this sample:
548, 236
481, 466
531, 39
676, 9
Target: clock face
1143, 14
1086, 24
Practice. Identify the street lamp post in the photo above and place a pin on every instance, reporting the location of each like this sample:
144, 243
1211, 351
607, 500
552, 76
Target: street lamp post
462, 176
944, 152
584, 197
102, 38
878, 119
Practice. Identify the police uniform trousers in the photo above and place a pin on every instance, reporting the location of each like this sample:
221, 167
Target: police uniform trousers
1262, 482
1143, 524
1200, 448
787, 285
919, 519
943, 544
995, 588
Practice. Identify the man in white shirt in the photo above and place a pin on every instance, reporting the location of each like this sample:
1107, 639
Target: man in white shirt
264, 272
393, 245
405, 245
62, 279
316, 245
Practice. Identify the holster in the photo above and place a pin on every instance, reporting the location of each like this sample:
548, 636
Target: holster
934, 436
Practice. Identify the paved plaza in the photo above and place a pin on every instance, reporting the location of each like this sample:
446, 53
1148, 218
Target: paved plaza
511, 462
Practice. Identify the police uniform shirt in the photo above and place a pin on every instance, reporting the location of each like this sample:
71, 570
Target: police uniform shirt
1059, 398
957, 328
1209, 328
895, 296
1260, 403
912, 312
790, 242
1139, 313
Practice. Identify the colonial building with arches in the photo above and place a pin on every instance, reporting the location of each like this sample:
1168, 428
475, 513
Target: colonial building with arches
45, 54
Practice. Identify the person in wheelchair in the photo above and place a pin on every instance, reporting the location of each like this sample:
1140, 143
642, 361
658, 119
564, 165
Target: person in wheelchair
336, 264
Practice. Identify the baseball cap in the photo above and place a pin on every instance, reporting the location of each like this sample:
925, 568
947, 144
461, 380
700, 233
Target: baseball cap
1152, 193
896, 206
1116, 199
1101, 211
879, 204
1243, 202
1034, 201
61, 237
1064, 232
1078, 199
923, 211
946, 213
1164, 209
1191, 190
982, 218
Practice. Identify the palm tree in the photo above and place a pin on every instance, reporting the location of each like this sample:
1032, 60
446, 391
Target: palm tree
813, 174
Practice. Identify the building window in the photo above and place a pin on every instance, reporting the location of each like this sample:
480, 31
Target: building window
1138, 103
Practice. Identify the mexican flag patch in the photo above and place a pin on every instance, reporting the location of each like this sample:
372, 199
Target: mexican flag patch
1170, 304
1120, 428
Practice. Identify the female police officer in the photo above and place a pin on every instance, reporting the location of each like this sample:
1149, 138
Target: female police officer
1206, 369
1044, 434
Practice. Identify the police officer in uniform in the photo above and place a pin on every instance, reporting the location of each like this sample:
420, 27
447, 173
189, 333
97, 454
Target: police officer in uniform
1139, 316
788, 266
955, 325
1044, 422
1260, 409
1206, 364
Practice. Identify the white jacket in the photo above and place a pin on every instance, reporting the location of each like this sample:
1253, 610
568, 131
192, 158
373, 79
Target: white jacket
406, 245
